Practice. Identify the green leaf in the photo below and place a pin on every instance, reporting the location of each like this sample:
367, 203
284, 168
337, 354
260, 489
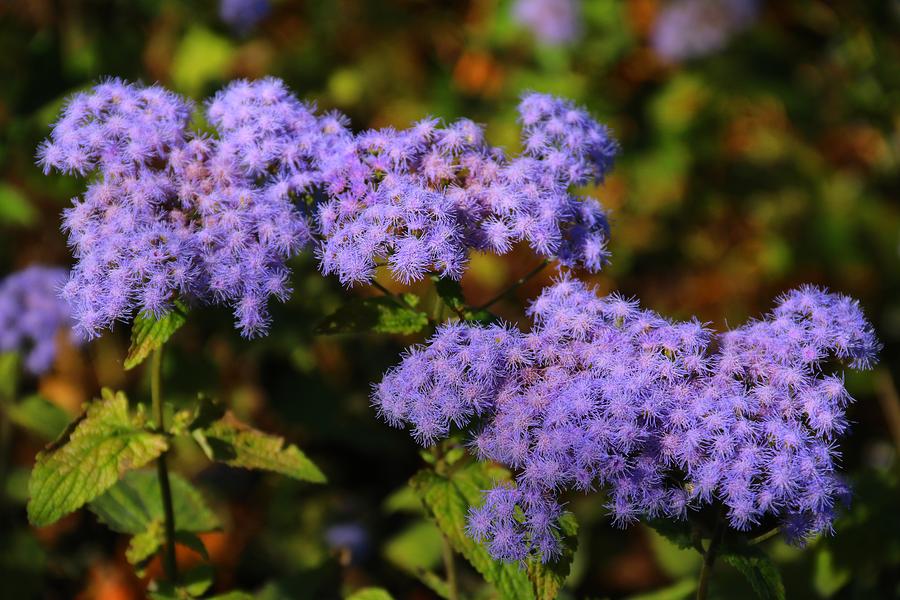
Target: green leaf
417, 550
677, 532
198, 580
135, 502
450, 292
376, 315
758, 569
448, 500
15, 209
547, 578
149, 333
236, 444
370, 593
95, 451
39, 416
144, 545
233, 595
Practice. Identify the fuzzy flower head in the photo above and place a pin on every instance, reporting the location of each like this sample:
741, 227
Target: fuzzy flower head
32, 315
170, 213
692, 28
665, 416
418, 200
553, 22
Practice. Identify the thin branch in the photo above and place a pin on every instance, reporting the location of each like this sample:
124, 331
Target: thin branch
515, 285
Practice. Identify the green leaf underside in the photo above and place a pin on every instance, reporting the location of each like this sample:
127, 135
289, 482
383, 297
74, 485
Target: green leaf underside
448, 500
91, 455
677, 532
149, 333
135, 502
758, 569
238, 445
376, 315
371, 593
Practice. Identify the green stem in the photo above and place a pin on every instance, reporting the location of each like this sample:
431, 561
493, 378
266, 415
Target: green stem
515, 285
450, 570
765, 536
169, 563
709, 559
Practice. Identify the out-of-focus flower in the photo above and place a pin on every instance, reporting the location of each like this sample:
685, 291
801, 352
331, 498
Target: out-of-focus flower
32, 315
243, 15
351, 537
692, 28
552, 21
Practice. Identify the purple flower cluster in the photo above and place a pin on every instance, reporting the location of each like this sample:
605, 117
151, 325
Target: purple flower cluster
172, 213
665, 416
32, 316
691, 28
419, 199
243, 15
552, 21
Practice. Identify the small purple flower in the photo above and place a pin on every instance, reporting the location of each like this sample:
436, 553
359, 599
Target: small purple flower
553, 22
32, 315
665, 416
692, 28
418, 200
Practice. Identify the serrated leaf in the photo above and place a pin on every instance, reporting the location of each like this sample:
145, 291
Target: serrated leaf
236, 444
376, 315
143, 546
233, 595
149, 333
90, 456
758, 569
39, 416
547, 578
370, 593
448, 500
136, 501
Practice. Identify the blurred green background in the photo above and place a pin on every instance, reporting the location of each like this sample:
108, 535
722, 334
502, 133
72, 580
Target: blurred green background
773, 162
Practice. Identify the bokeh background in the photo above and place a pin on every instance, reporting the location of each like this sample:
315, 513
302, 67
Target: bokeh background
768, 161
